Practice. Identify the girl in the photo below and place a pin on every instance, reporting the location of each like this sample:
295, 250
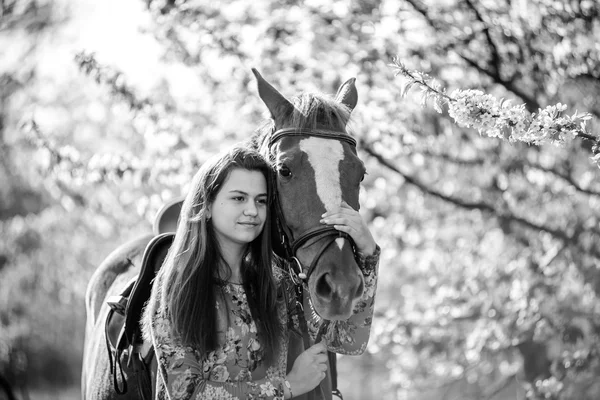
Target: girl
223, 320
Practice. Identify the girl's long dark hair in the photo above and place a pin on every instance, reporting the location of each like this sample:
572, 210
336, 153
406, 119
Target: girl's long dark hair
188, 284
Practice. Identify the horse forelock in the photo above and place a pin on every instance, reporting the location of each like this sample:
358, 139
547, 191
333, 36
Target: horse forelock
313, 111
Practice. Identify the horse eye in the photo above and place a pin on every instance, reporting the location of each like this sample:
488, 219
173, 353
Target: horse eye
285, 171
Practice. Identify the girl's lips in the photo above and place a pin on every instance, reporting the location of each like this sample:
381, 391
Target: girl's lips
248, 223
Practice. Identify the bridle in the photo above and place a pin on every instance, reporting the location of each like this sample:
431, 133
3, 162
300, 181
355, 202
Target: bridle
326, 232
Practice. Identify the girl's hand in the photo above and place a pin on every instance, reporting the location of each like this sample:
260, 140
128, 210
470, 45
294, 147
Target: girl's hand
309, 369
346, 219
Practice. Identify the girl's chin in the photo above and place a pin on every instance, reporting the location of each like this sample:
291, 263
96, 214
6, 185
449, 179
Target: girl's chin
247, 238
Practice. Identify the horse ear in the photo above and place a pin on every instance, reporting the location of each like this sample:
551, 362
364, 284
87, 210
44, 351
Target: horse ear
347, 94
274, 100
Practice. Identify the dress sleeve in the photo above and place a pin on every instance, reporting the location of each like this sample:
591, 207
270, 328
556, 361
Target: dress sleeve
184, 375
351, 336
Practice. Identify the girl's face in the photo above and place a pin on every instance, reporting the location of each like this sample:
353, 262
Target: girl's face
239, 210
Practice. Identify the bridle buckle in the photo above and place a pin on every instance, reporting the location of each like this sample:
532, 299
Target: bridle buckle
297, 271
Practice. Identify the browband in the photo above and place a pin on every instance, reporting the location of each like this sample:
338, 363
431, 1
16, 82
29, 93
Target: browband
324, 133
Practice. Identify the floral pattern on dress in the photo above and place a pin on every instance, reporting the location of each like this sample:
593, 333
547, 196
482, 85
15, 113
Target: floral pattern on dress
236, 369
213, 392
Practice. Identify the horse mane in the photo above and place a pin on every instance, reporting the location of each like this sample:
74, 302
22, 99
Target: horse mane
311, 111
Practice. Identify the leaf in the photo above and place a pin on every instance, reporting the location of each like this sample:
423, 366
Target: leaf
437, 105
404, 91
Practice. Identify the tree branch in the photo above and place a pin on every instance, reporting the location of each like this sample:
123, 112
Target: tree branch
530, 101
503, 215
496, 62
422, 9
565, 177
470, 162
415, 182
505, 383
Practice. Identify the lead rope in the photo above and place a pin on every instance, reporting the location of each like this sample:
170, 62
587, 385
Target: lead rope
312, 395
332, 357
333, 368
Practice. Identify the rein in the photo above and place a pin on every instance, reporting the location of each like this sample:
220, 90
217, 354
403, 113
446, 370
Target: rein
329, 233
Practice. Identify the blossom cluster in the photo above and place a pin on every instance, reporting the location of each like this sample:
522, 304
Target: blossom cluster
499, 118
546, 388
473, 108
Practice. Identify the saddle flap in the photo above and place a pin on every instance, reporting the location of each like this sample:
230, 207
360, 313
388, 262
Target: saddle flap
154, 256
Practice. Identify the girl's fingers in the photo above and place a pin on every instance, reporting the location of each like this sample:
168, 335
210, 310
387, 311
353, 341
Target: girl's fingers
343, 228
344, 209
346, 205
337, 220
321, 359
341, 225
318, 348
346, 219
349, 221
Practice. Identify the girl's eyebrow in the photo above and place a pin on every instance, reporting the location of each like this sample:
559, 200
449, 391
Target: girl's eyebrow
244, 193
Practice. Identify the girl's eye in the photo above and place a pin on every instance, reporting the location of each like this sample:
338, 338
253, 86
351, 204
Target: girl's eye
238, 198
262, 201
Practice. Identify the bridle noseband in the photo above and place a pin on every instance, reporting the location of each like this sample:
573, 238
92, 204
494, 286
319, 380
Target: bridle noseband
329, 233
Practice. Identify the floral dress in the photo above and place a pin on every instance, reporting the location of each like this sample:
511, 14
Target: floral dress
235, 370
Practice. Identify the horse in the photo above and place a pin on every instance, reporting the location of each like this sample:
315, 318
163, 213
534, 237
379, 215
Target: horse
313, 155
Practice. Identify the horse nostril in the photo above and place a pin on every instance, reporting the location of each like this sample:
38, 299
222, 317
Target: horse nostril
323, 287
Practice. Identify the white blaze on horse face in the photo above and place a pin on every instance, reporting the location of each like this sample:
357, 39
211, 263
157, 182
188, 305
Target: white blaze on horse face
324, 156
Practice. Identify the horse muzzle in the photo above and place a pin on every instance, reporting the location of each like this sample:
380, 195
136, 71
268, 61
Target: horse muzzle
336, 284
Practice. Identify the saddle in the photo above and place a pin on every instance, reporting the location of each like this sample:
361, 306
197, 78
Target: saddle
122, 328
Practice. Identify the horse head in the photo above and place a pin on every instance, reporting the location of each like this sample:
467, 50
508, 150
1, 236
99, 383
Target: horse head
316, 168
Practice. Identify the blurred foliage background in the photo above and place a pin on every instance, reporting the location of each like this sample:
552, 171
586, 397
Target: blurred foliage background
490, 277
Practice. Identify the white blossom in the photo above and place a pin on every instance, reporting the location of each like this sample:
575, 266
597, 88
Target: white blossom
497, 118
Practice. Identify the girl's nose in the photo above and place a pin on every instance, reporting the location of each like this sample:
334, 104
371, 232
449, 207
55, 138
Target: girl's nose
251, 209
